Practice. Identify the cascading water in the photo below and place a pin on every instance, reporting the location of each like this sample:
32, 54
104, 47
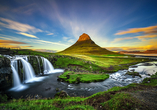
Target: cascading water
48, 68
28, 70
16, 78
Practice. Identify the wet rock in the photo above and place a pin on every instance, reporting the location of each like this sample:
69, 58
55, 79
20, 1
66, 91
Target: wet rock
47, 88
61, 94
57, 89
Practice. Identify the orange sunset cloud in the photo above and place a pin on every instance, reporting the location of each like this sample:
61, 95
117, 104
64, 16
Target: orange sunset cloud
146, 30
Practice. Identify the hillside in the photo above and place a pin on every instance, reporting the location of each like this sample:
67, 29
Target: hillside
86, 46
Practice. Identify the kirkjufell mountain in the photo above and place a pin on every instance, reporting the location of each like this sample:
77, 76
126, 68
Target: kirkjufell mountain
85, 46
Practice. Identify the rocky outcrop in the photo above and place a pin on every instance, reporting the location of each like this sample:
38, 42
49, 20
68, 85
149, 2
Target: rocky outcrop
5, 74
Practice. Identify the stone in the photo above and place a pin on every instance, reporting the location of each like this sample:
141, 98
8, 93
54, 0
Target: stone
47, 88
61, 94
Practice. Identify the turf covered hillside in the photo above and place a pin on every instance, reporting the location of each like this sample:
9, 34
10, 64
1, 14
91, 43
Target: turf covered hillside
86, 46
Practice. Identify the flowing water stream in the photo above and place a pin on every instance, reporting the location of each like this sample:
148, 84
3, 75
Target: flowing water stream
45, 86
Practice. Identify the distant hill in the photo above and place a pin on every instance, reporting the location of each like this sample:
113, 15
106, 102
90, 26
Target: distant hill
138, 52
85, 46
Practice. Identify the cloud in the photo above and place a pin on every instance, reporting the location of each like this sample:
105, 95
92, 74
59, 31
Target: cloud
28, 35
119, 39
133, 48
65, 38
18, 26
71, 40
56, 43
50, 34
45, 50
10, 42
142, 38
28, 9
146, 30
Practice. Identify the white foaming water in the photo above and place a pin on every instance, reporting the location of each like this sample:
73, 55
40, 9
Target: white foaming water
16, 78
48, 68
28, 71
17, 83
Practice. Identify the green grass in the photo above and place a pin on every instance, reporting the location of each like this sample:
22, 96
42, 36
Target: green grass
152, 81
121, 101
98, 63
82, 77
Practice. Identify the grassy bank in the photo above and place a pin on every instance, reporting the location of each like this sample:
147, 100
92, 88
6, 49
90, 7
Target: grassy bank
92, 63
72, 77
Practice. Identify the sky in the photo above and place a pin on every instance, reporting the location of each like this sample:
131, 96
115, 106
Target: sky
54, 25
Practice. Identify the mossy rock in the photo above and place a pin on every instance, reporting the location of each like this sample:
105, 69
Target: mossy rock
133, 74
61, 94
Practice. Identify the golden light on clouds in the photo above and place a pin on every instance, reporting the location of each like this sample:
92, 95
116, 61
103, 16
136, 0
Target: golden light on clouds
133, 48
28, 35
12, 44
146, 30
142, 38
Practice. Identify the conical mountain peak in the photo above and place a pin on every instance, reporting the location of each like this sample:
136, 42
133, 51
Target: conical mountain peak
85, 46
84, 37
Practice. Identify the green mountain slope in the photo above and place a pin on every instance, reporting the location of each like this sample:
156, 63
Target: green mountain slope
86, 46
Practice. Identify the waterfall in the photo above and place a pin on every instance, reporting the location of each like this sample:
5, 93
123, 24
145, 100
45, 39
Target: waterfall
16, 78
48, 68
15, 65
28, 70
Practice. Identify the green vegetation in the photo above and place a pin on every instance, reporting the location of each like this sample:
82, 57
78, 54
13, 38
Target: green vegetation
152, 81
93, 63
72, 77
121, 101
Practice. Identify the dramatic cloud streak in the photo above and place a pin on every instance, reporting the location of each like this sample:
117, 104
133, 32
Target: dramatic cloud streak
132, 48
10, 42
28, 35
18, 26
138, 37
146, 30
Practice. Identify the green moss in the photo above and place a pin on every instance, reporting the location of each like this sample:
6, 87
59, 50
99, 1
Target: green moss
152, 81
79, 107
70, 77
3, 98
